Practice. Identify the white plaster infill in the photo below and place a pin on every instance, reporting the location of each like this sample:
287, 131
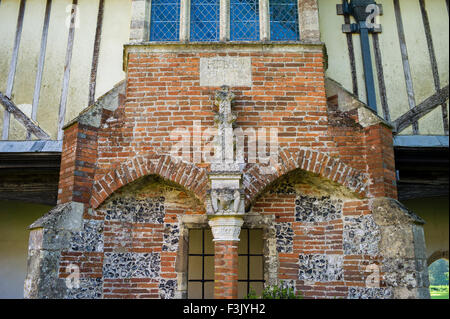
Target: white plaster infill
226, 228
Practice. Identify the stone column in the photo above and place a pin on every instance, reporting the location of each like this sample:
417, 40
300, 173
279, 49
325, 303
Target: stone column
226, 231
225, 205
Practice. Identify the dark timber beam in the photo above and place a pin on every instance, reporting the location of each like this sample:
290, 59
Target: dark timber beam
422, 172
31, 127
380, 77
30, 177
421, 110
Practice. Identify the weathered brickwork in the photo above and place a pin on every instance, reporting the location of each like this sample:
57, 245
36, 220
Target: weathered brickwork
127, 248
226, 269
329, 254
323, 234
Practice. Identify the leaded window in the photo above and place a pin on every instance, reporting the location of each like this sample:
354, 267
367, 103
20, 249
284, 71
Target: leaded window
201, 263
165, 20
202, 20
284, 20
244, 16
251, 263
205, 20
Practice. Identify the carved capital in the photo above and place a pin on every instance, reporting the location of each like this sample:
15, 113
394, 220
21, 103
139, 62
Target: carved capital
226, 228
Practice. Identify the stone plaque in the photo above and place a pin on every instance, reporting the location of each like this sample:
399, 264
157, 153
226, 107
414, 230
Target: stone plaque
231, 71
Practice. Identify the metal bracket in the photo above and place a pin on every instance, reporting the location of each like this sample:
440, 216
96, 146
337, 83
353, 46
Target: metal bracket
346, 9
343, 9
354, 28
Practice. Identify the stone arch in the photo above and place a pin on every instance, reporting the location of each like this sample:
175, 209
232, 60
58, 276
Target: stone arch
189, 176
256, 181
436, 256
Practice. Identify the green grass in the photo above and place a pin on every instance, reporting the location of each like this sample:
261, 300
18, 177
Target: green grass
439, 292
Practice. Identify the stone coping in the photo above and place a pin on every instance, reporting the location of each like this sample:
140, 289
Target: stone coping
221, 47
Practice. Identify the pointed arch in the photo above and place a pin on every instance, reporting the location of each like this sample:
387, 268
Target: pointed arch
256, 180
188, 175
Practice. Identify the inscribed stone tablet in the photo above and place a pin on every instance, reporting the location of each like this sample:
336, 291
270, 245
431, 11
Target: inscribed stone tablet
231, 71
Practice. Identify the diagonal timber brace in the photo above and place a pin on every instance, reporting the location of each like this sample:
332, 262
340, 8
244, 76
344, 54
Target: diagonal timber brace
29, 124
421, 110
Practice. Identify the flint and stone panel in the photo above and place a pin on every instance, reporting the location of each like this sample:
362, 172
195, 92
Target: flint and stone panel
90, 238
89, 288
167, 288
149, 210
320, 268
131, 265
361, 236
369, 293
285, 237
171, 237
317, 209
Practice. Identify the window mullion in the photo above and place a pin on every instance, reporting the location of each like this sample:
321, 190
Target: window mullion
300, 18
185, 20
224, 20
264, 20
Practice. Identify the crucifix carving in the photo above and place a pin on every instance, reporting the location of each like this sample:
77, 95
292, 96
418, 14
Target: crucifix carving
224, 120
226, 197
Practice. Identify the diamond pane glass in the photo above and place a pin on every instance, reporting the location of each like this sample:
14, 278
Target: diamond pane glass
165, 20
244, 16
205, 20
284, 20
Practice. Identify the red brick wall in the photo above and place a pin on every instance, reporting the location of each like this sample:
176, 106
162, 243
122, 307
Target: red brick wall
164, 92
226, 269
78, 164
319, 238
288, 93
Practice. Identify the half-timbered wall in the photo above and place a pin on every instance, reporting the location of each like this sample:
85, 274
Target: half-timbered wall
51, 72
410, 58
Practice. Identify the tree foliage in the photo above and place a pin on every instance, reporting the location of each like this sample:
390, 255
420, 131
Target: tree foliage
438, 272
